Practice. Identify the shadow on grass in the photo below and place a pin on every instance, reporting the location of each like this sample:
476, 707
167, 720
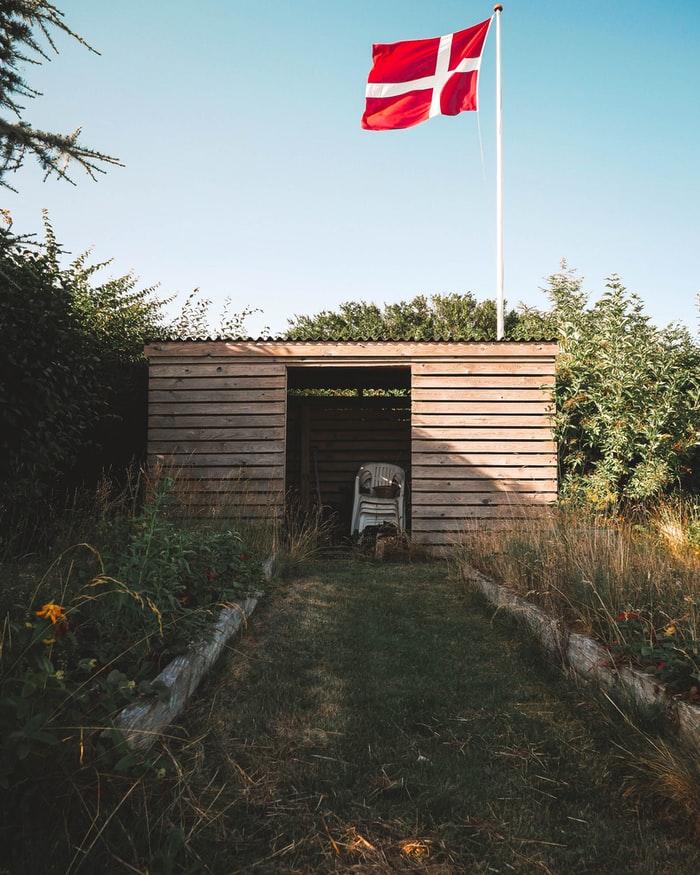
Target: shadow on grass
377, 719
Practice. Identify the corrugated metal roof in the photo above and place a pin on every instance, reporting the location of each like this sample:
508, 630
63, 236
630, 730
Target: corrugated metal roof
283, 339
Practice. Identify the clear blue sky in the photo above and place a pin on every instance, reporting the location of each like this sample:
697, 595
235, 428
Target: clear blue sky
247, 173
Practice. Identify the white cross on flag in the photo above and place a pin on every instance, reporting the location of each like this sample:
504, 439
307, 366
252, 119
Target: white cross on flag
414, 80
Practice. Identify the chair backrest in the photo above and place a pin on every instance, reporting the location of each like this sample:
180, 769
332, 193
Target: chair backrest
381, 474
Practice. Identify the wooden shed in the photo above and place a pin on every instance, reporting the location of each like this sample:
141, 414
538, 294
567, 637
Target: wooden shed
250, 421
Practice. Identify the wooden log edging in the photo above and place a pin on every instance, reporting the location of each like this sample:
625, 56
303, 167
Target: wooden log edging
141, 722
589, 659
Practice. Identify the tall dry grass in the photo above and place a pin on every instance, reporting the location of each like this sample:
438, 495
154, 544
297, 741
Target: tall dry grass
589, 569
635, 585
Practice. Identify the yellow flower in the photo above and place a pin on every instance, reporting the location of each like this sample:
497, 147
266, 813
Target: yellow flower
670, 629
59, 675
52, 611
48, 641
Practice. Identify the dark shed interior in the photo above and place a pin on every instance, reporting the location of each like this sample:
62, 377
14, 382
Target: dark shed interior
337, 420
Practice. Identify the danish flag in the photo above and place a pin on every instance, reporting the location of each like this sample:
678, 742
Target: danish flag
414, 80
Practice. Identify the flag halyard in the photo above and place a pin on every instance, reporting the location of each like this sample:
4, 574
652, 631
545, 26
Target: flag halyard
414, 80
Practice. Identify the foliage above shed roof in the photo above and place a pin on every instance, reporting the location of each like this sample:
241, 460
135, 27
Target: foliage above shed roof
449, 317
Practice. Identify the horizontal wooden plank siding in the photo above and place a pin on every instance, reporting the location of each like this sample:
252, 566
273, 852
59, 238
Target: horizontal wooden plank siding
220, 428
483, 451
475, 437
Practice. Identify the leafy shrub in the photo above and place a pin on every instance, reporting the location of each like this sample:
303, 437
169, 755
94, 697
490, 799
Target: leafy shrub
438, 317
98, 630
72, 400
627, 396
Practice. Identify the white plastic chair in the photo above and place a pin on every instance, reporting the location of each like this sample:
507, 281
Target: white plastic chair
371, 510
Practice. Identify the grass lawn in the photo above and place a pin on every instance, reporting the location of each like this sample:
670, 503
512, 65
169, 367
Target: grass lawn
376, 718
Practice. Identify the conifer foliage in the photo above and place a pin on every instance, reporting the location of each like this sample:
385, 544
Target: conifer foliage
27, 30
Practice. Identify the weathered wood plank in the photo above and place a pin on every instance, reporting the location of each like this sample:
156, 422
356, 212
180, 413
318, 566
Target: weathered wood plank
219, 408
216, 434
424, 517
483, 472
495, 459
177, 447
243, 474
470, 420
432, 500
229, 368
461, 368
492, 446
448, 540
199, 420
458, 432
272, 382
230, 396
481, 381
481, 407
198, 460
457, 524
458, 394
503, 484
377, 361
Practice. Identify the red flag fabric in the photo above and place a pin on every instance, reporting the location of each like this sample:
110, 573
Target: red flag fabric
414, 80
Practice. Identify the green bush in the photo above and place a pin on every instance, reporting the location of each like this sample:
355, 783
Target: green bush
627, 396
100, 625
72, 399
437, 317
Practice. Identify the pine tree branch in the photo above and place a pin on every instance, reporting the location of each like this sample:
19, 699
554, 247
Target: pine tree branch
53, 151
20, 20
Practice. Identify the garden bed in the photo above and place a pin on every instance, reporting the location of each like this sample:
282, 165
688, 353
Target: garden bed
591, 660
619, 601
85, 639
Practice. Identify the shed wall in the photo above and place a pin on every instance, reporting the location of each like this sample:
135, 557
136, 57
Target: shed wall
483, 453
221, 424
482, 446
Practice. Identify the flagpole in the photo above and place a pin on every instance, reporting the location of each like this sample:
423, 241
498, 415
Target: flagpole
498, 8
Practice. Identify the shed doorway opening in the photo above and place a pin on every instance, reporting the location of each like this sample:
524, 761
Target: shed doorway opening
338, 419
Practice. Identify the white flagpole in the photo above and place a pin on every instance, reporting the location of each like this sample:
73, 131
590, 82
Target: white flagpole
498, 8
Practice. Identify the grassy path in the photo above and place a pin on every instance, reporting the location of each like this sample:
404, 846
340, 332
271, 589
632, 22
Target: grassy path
376, 719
